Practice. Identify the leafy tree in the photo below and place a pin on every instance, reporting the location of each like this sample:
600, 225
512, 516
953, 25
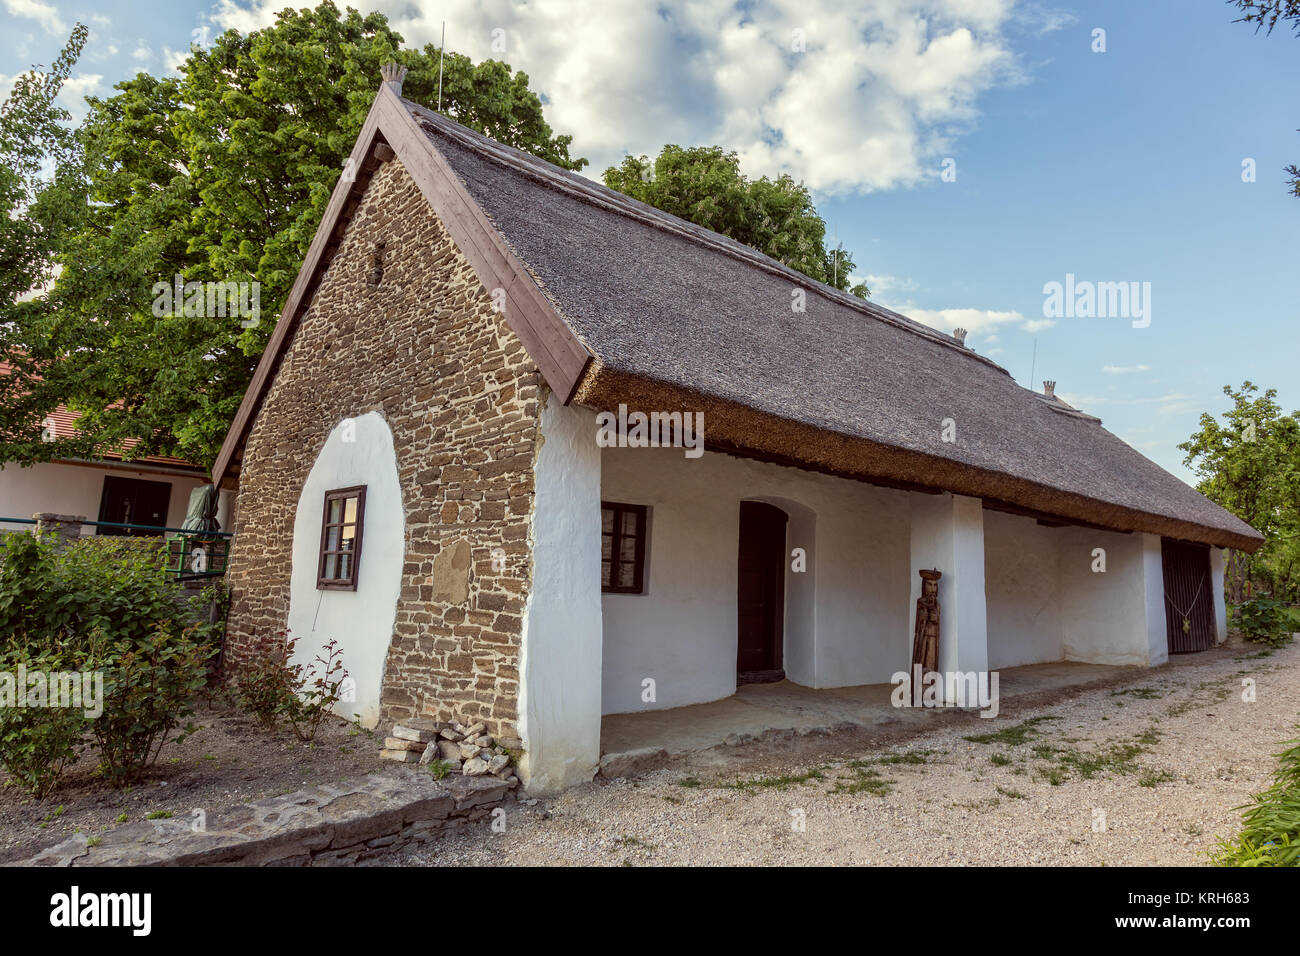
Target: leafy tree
1250, 464
1266, 14
704, 185
221, 174
38, 153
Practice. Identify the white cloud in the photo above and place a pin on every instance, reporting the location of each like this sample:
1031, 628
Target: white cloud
974, 321
1125, 369
48, 17
142, 52
76, 88
878, 95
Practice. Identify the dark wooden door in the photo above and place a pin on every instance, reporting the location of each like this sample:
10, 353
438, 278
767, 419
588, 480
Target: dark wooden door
1189, 596
134, 501
760, 597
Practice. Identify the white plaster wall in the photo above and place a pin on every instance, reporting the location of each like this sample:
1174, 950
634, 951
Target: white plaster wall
1220, 600
682, 632
560, 657
1115, 617
1022, 591
947, 533
361, 620
70, 489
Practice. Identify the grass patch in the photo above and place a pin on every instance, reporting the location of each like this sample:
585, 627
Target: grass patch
1153, 778
690, 782
1064, 763
1015, 735
999, 760
865, 779
912, 757
1141, 693
783, 782
1010, 794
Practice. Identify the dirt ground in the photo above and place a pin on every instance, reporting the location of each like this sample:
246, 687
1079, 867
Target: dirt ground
229, 760
1143, 770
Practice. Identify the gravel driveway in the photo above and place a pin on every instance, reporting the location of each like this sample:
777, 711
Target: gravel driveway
1145, 771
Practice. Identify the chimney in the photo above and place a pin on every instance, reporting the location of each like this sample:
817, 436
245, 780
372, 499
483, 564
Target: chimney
393, 76
960, 336
1049, 389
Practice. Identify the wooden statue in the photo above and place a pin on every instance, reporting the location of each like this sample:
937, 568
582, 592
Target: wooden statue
925, 641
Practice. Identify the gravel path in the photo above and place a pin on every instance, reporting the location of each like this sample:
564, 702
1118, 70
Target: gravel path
1165, 755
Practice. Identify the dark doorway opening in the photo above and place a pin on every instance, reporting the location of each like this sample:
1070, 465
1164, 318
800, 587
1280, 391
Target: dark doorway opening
760, 594
134, 501
1189, 597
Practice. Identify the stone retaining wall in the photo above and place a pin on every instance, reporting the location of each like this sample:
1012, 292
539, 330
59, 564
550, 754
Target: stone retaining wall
328, 825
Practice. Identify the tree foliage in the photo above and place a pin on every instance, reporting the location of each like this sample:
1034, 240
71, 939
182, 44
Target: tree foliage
1249, 462
704, 185
221, 174
1266, 14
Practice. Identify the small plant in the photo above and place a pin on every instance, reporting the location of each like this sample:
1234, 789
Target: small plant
999, 760
439, 769
272, 690
1264, 621
120, 818
38, 743
1270, 834
158, 815
94, 841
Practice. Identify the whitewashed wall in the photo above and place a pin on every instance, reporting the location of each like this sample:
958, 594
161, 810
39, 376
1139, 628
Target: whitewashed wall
682, 632
560, 657
1116, 616
1022, 590
70, 489
361, 620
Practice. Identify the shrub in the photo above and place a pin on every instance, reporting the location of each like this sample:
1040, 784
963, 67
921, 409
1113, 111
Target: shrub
97, 604
271, 689
1271, 831
37, 743
1264, 621
149, 687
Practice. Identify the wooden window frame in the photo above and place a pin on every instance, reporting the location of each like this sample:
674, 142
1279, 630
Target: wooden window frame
638, 561
350, 583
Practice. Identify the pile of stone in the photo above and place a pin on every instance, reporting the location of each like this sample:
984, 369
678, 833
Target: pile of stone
466, 749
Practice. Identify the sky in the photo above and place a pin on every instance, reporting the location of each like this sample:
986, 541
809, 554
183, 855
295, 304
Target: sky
968, 153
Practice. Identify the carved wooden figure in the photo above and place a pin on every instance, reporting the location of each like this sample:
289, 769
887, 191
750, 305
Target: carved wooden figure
925, 641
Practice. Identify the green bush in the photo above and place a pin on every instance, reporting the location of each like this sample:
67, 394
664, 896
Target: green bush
37, 743
149, 688
1271, 832
97, 604
1264, 621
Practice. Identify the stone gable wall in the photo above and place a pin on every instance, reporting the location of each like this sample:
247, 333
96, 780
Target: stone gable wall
460, 394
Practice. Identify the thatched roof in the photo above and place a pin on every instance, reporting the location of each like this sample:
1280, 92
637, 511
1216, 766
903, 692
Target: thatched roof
691, 314
620, 302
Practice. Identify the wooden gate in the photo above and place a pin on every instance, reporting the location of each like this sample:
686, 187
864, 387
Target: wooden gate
1189, 596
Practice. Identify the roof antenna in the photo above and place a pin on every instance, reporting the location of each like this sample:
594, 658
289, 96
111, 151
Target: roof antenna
442, 47
1033, 364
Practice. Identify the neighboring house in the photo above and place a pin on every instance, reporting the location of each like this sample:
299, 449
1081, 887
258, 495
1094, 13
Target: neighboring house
420, 475
152, 490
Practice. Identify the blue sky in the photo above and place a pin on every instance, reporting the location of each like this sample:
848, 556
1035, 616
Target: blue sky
1122, 166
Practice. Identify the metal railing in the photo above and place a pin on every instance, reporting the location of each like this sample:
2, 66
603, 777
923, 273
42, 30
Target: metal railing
192, 555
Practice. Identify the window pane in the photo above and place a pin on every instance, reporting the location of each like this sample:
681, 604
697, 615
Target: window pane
349, 537
350, 510
331, 566
607, 520
626, 574
345, 567
630, 522
604, 573
336, 511
332, 539
606, 547
627, 551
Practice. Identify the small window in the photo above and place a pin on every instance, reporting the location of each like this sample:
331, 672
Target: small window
622, 548
340, 538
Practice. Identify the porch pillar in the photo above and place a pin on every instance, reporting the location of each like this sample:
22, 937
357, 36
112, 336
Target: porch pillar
1216, 591
948, 535
560, 656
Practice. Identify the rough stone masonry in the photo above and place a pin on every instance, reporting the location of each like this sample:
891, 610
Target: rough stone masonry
415, 338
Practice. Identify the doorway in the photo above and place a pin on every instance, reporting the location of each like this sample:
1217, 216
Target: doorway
1189, 597
134, 501
760, 594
